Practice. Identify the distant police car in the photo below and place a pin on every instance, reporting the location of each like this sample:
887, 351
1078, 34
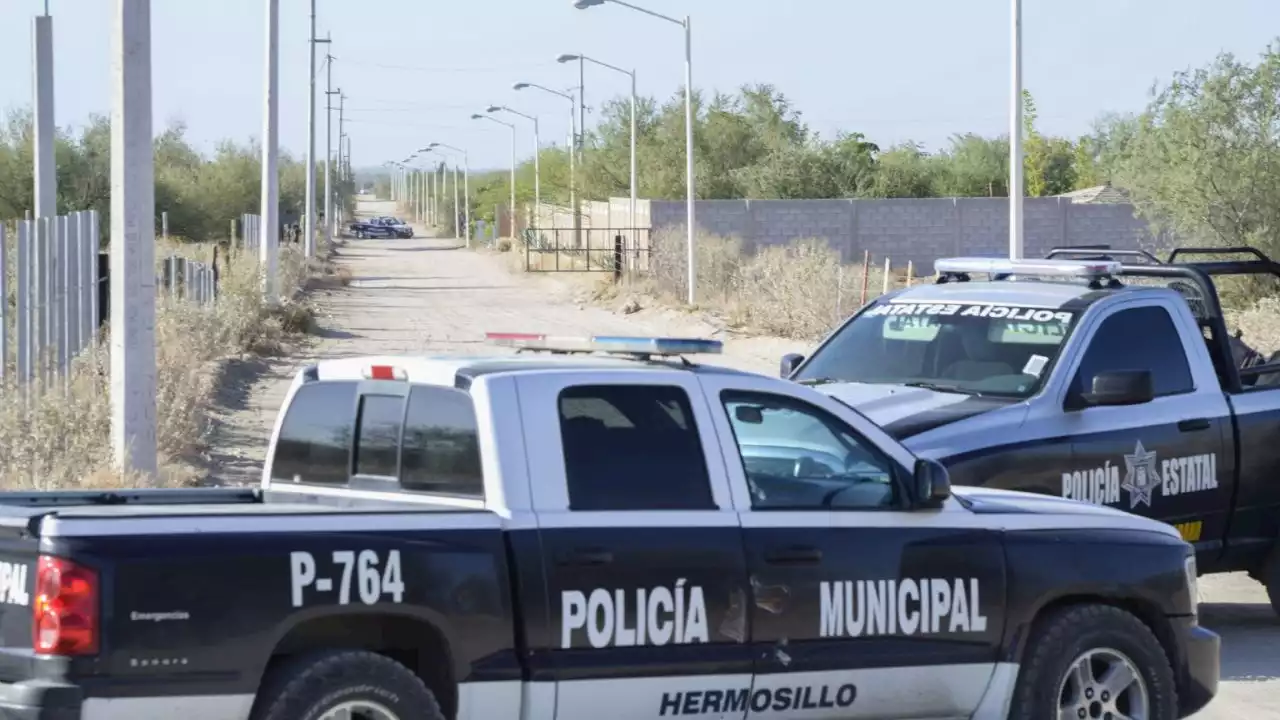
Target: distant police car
384, 227
1073, 378
581, 537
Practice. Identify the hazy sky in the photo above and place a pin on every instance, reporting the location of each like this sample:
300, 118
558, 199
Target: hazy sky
414, 70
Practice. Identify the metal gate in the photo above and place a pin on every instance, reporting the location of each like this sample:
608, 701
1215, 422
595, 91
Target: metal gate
613, 250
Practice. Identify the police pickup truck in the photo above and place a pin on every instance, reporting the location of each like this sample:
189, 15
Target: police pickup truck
575, 536
1091, 379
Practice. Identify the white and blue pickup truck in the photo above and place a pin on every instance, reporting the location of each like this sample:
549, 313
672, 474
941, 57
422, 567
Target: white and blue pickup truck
602, 530
1107, 382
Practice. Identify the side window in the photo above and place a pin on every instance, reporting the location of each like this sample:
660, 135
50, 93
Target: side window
378, 441
315, 438
441, 443
632, 447
1137, 339
799, 457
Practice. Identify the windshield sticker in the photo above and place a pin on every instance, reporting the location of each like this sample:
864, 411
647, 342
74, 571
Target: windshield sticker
1145, 477
1008, 312
912, 327
1037, 333
1035, 365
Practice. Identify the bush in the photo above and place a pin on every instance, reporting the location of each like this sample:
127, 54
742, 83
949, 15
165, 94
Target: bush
799, 290
61, 438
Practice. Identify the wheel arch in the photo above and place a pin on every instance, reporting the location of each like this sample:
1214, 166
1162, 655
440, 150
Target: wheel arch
418, 640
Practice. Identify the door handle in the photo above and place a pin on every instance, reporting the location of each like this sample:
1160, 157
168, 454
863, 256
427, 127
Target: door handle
585, 556
1193, 425
798, 555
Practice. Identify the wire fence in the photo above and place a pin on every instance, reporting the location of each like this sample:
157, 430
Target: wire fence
54, 294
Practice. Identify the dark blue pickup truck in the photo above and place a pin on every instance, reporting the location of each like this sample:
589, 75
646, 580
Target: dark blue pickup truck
381, 227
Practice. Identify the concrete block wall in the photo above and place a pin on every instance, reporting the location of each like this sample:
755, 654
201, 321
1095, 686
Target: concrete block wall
916, 230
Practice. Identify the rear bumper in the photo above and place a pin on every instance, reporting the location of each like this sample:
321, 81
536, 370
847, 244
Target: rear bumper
40, 700
1200, 653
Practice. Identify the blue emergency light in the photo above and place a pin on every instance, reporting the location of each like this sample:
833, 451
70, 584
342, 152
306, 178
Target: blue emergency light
621, 344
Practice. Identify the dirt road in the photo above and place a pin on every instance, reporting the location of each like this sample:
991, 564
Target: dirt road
423, 296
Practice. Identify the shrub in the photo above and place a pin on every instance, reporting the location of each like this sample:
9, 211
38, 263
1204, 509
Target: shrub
799, 290
60, 437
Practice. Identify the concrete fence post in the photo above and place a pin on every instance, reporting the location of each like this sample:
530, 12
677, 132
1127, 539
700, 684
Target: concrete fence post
24, 302
71, 273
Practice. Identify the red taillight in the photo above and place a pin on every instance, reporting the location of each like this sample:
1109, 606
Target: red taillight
65, 613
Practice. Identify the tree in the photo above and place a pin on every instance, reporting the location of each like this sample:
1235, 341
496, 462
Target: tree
1202, 159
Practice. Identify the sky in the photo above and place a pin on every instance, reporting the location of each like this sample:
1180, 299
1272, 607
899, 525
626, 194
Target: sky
415, 70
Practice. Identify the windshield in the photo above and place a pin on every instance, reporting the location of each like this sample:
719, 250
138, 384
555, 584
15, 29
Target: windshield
974, 348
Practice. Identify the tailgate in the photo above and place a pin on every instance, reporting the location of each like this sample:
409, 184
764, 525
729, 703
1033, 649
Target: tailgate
19, 551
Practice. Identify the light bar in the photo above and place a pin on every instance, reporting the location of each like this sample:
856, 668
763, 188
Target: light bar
622, 344
999, 266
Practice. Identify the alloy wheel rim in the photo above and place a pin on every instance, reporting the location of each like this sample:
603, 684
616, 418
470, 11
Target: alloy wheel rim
1103, 684
359, 710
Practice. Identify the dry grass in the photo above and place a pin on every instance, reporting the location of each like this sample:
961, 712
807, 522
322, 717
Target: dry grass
59, 437
1259, 324
799, 290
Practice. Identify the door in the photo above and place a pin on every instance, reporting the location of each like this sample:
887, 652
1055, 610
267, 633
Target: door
861, 608
641, 549
1167, 458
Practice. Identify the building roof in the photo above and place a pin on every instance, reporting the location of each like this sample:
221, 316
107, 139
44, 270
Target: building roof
1098, 195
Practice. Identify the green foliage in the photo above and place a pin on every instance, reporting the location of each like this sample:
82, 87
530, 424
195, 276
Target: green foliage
1202, 159
201, 194
755, 144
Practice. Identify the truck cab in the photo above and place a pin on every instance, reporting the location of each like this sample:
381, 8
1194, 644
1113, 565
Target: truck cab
1094, 380
583, 525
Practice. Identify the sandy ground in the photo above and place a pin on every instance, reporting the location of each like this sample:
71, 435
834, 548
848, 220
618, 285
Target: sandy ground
426, 296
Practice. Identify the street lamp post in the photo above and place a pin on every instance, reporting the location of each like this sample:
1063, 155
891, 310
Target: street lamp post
688, 121
466, 184
270, 157
632, 74
573, 133
1015, 139
512, 127
537, 146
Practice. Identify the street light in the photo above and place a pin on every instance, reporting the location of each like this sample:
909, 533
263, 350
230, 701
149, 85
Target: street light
537, 145
632, 73
466, 183
573, 131
1015, 139
688, 117
457, 229
512, 127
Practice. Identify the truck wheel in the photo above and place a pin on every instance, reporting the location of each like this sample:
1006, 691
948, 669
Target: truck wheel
1094, 661
345, 685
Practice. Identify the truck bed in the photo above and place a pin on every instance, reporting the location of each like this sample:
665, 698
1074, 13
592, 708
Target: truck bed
37, 513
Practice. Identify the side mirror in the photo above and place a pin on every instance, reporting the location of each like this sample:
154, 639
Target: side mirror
789, 363
932, 483
1120, 387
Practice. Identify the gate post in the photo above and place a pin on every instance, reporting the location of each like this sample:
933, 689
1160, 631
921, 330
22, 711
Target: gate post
617, 257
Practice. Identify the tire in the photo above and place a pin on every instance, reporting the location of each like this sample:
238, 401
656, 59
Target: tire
309, 686
1064, 636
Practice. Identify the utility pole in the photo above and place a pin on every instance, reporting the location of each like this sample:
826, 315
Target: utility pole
329, 220
582, 103
44, 127
309, 224
1015, 137
270, 154
133, 238
44, 171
